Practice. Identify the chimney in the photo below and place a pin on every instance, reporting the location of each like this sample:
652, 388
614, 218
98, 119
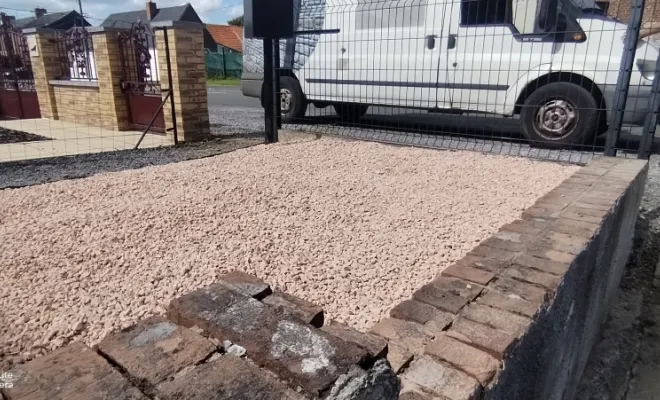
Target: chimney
152, 10
39, 12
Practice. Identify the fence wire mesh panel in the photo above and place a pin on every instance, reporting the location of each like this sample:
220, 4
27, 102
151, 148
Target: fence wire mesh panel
543, 78
87, 91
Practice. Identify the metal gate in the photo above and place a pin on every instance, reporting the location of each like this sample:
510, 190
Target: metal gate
141, 80
18, 97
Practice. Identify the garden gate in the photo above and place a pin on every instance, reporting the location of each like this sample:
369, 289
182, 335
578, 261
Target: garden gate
18, 96
141, 79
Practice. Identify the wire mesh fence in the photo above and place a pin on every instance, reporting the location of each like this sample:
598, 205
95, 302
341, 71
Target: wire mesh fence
554, 79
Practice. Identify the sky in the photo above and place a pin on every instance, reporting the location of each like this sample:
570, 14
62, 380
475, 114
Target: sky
210, 11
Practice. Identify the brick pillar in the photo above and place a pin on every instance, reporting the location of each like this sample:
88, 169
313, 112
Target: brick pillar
114, 112
45, 67
186, 44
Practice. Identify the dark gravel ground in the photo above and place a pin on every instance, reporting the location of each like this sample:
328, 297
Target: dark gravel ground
12, 136
33, 172
625, 363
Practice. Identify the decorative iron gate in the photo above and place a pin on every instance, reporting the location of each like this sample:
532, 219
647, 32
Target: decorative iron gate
18, 97
141, 80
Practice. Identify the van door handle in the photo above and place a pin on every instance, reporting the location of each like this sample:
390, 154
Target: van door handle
451, 42
430, 41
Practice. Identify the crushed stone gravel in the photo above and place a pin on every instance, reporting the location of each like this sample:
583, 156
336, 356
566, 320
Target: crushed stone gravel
352, 226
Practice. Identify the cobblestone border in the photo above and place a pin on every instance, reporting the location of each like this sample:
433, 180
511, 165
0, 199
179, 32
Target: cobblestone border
517, 316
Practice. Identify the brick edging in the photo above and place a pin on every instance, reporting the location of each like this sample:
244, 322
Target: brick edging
469, 319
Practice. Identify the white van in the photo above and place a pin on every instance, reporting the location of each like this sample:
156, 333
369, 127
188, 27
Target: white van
556, 69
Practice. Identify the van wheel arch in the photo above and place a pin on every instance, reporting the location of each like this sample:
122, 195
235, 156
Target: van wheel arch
568, 77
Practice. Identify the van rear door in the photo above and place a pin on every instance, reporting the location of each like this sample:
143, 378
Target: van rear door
389, 53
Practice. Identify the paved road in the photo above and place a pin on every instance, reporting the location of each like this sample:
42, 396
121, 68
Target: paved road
232, 113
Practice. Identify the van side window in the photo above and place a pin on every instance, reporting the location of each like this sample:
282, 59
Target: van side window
519, 13
484, 12
379, 14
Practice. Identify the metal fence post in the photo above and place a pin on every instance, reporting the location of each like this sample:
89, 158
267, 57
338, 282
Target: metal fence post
623, 81
651, 119
269, 92
278, 95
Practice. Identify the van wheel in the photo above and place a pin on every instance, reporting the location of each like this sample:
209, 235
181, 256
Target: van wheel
560, 114
292, 100
350, 112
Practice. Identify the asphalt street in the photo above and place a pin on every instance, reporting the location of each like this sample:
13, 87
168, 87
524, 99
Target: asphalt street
232, 113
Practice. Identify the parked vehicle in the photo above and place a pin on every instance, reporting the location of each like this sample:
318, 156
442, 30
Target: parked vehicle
553, 63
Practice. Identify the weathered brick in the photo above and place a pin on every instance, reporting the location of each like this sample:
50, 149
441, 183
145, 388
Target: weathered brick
490, 340
486, 264
155, 349
432, 376
283, 344
412, 395
225, 378
566, 243
575, 228
411, 310
72, 372
447, 294
408, 334
374, 345
491, 252
246, 284
542, 251
586, 204
464, 357
498, 319
581, 217
469, 274
541, 264
539, 212
524, 227
398, 356
526, 291
509, 245
289, 304
529, 275
588, 211
509, 302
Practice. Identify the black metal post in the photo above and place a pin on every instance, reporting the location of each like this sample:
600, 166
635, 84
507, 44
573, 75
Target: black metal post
278, 95
623, 81
651, 119
169, 82
269, 92
224, 62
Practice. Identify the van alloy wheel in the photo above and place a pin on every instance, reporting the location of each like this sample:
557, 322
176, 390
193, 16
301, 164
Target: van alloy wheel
286, 99
556, 119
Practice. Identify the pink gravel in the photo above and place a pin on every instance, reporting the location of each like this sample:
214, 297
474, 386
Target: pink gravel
352, 226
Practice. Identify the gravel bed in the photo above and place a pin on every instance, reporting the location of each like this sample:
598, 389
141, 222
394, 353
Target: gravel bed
12, 136
352, 226
33, 172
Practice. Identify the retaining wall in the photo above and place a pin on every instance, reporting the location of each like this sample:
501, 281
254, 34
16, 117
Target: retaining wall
518, 316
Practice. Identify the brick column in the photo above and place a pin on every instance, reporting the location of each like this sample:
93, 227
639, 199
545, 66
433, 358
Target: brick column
114, 113
186, 46
45, 67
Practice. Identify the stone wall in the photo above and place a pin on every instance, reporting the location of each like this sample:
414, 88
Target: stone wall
518, 316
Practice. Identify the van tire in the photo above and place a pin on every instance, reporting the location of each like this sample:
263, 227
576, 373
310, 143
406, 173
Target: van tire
350, 112
558, 115
298, 103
